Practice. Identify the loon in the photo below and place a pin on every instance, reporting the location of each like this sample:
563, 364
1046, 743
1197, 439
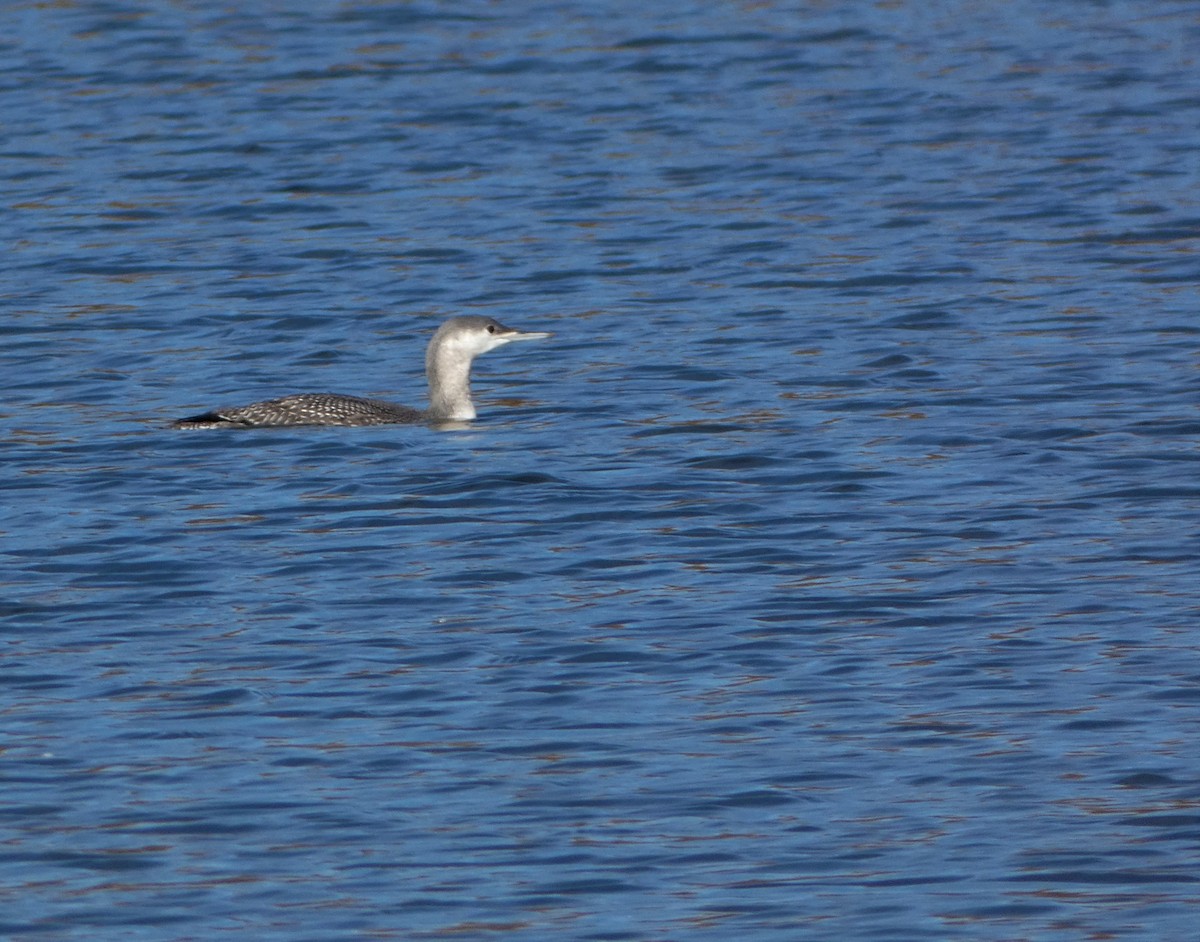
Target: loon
447, 367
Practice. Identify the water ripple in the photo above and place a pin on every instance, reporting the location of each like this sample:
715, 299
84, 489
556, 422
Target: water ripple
831, 571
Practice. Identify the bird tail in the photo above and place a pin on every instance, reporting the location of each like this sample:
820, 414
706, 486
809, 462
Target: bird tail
203, 420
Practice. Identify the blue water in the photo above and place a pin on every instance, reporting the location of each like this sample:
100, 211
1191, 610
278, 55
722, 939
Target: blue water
832, 574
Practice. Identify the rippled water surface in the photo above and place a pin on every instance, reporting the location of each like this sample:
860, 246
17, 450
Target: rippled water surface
831, 574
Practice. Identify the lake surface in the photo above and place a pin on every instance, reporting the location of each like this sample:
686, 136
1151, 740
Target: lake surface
831, 574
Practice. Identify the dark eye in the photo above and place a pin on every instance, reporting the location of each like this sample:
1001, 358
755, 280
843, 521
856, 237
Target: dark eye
491, 328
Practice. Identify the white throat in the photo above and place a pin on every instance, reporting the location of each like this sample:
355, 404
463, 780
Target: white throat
448, 369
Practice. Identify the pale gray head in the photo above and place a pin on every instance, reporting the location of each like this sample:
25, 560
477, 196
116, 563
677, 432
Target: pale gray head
450, 354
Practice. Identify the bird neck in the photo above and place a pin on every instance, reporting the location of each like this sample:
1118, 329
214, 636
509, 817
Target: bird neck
449, 373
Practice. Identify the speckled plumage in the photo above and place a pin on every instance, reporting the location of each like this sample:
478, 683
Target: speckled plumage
306, 409
448, 361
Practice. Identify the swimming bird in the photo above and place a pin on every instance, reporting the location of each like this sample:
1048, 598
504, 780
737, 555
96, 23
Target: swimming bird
448, 360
